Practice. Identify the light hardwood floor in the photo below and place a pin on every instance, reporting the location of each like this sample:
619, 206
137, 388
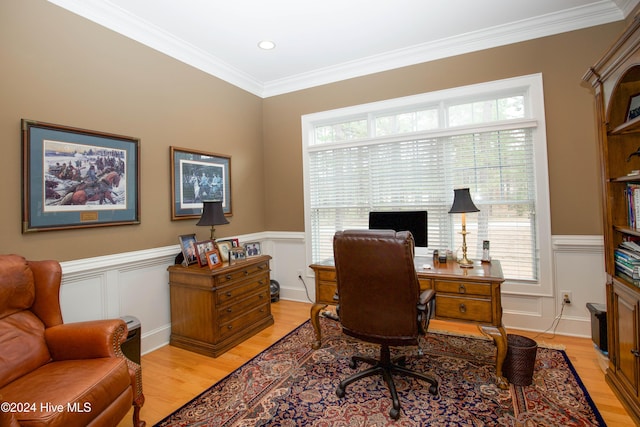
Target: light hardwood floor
172, 376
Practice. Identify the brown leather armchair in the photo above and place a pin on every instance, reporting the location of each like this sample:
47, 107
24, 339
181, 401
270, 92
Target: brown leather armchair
57, 374
380, 301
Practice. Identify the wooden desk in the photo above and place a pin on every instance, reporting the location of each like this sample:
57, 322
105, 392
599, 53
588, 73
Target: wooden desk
462, 294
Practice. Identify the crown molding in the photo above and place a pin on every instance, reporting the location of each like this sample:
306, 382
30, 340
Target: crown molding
116, 19
570, 20
110, 16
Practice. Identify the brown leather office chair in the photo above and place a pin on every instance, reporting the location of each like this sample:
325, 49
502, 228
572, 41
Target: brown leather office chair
380, 301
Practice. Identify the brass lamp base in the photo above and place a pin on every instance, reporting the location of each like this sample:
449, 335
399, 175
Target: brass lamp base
465, 262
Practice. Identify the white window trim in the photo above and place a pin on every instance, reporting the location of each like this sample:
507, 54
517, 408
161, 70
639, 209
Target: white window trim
534, 85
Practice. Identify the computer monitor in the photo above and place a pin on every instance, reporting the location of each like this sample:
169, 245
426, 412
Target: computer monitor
413, 221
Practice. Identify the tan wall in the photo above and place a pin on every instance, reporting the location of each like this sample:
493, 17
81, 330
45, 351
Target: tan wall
571, 134
60, 68
63, 69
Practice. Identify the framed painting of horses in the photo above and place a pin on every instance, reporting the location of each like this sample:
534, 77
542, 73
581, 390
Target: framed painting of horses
197, 176
78, 178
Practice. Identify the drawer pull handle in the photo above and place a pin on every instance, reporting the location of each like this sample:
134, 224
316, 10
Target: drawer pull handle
463, 308
246, 272
262, 310
261, 296
635, 352
229, 327
261, 267
228, 294
229, 310
261, 282
228, 277
461, 289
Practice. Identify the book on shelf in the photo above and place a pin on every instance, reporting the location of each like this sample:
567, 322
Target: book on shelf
630, 245
628, 278
632, 193
627, 260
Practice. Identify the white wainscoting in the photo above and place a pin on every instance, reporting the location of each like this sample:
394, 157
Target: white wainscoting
578, 267
136, 284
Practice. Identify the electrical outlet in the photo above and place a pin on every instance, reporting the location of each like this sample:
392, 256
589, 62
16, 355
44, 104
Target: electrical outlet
567, 297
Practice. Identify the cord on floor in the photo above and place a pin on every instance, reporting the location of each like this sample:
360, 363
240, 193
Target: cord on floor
554, 324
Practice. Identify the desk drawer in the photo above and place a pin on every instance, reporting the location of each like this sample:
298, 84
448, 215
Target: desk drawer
463, 288
326, 275
463, 308
425, 284
325, 292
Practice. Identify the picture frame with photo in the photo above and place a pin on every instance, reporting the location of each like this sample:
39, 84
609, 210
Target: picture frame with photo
214, 260
234, 242
224, 246
202, 248
252, 249
633, 109
237, 255
188, 247
197, 176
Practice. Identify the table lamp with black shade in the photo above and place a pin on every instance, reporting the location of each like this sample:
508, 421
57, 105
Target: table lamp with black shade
212, 214
463, 204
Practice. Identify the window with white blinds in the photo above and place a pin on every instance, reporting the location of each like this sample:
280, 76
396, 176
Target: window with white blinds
411, 153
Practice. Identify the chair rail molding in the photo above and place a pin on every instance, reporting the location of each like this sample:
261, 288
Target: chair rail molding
137, 284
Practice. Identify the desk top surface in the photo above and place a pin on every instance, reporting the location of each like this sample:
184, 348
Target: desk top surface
426, 267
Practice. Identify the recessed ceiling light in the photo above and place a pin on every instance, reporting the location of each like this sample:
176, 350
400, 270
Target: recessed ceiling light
266, 45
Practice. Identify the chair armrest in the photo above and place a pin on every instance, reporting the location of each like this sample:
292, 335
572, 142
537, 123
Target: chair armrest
426, 303
426, 296
86, 340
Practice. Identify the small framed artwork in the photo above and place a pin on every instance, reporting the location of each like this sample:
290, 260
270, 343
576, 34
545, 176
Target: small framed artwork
78, 178
633, 110
224, 246
234, 242
197, 176
213, 259
201, 251
188, 246
252, 249
236, 255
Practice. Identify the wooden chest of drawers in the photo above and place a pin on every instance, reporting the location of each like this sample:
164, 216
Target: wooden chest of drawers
214, 310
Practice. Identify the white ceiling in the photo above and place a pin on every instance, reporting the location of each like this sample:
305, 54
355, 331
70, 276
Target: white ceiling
319, 42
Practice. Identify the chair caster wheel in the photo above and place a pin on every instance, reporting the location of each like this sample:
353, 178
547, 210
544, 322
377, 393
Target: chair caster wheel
353, 364
340, 391
394, 413
433, 389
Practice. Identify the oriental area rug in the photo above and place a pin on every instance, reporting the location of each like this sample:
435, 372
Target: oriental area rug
289, 384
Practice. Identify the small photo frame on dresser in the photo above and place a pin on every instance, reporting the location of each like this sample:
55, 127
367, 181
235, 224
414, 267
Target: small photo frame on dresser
237, 255
214, 260
188, 247
201, 251
224, 246
252, 249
